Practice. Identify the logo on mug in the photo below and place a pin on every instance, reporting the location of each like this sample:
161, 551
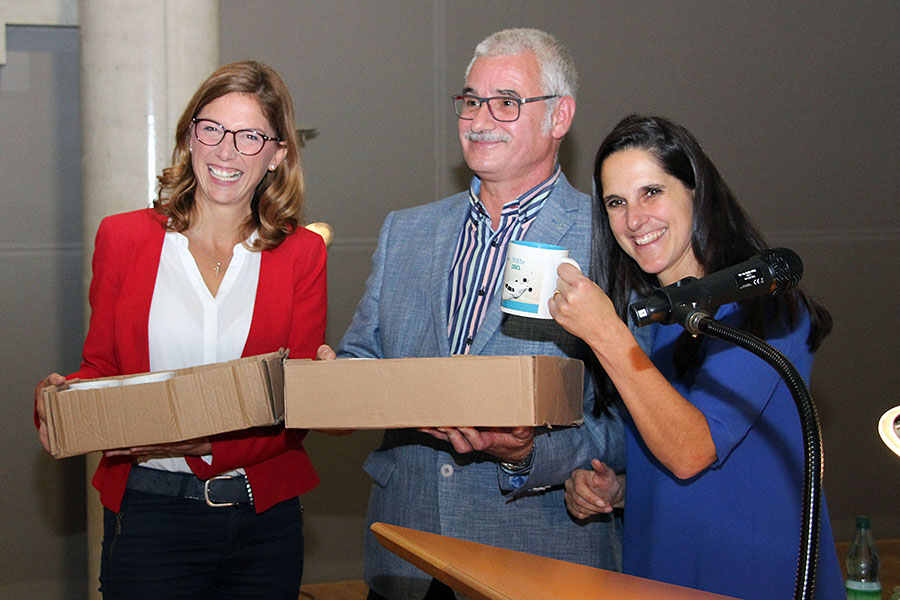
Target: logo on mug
529, 278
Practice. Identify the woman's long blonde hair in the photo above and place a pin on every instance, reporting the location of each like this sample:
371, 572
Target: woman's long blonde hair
278, 199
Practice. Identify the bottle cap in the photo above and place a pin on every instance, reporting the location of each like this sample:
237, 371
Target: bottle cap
863, 522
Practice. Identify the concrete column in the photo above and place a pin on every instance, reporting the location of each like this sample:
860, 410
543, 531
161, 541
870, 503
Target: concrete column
140, 64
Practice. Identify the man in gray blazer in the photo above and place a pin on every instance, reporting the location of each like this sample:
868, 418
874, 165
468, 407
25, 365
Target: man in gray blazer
434, 291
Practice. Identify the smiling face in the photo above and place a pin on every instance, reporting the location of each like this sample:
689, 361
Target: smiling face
650, 214
224, 176
522, 150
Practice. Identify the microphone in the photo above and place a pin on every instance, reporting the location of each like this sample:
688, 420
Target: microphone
772, 272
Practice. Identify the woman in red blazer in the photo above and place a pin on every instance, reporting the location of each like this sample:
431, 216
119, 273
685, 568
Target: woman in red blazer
219, 268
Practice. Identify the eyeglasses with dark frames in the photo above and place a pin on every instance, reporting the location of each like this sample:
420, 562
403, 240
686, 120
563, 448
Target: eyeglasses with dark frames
502, 108
246, 141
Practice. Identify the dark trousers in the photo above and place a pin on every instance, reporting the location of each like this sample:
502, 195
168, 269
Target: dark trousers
174, 548
436, 591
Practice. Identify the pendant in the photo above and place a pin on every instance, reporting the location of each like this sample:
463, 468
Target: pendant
218, 266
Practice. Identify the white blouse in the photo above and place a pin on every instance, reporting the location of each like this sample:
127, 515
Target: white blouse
188, 326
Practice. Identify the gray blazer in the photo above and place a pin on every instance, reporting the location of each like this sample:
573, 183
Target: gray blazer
418, 481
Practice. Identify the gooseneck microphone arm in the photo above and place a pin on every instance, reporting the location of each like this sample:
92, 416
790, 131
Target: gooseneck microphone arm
697, 322
687, 302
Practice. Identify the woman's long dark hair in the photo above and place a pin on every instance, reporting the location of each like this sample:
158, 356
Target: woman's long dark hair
722, 234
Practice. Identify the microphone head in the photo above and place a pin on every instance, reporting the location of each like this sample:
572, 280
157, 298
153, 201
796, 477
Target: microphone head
787, 268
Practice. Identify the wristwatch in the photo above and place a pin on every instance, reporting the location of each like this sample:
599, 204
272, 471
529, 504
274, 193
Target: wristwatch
521, 466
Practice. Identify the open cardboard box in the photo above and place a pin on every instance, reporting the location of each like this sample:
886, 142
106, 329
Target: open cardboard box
195, 402
490, 391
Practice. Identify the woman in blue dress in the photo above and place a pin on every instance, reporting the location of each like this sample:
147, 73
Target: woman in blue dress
714, 449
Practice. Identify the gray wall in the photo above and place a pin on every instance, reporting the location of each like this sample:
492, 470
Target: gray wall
796, 104
42, 551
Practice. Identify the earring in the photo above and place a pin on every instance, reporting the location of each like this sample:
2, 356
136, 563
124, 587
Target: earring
271, 167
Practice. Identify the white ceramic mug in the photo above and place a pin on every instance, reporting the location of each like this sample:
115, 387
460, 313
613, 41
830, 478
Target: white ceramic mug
529, 278
148, 378
93, 384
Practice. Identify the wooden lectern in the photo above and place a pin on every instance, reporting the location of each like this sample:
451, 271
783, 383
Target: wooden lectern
483, 572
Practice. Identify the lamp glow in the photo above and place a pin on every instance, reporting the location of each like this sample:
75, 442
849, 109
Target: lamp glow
889, 429
323, 229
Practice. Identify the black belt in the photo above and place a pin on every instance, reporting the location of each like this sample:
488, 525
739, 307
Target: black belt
224, 490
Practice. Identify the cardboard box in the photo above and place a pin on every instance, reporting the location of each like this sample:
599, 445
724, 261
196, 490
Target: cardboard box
195, 402
489, 391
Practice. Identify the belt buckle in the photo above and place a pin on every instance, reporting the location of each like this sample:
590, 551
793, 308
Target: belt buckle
206, 492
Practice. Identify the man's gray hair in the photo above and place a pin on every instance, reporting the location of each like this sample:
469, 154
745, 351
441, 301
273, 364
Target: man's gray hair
558, 75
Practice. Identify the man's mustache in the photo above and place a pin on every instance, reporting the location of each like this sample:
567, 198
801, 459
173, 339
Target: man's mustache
487, 136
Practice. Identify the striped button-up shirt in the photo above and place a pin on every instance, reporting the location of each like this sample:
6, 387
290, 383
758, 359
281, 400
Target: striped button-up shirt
478, 262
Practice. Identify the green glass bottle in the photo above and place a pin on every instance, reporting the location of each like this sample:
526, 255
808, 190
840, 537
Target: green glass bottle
862, 564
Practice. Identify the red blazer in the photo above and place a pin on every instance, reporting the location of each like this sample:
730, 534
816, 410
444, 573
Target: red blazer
289, 313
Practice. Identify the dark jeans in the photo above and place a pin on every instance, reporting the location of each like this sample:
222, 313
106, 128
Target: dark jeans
436, 591
164, 547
